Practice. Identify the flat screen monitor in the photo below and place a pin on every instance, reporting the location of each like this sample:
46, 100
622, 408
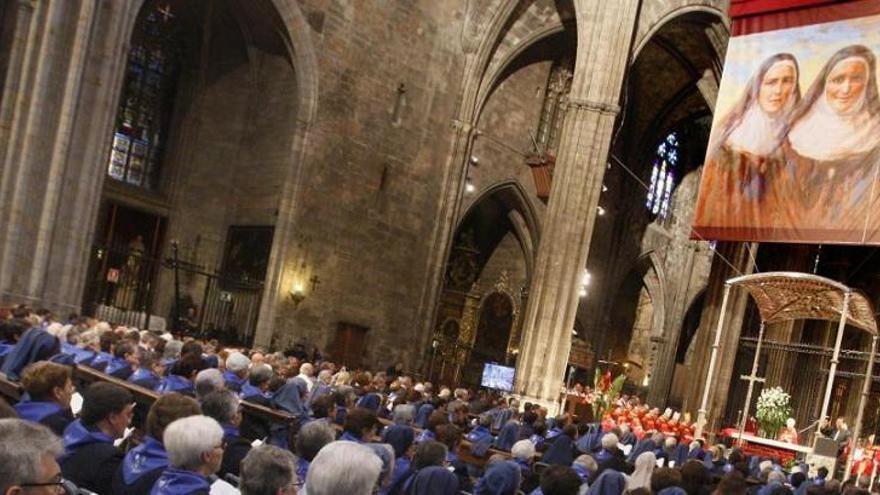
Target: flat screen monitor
498, 377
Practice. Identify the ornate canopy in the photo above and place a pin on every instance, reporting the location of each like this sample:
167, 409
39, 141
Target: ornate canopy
782, 296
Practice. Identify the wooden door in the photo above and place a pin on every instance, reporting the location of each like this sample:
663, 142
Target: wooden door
348, 345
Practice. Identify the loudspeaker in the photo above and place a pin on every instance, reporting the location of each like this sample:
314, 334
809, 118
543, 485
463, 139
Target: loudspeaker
825, 447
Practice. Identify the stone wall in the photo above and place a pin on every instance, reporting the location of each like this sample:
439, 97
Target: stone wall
371, 176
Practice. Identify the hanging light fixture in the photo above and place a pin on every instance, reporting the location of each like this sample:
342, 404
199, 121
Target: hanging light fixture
586, 278
469, 186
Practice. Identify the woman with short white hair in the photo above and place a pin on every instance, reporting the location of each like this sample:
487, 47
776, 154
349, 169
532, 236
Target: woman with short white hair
344, 467
195, 451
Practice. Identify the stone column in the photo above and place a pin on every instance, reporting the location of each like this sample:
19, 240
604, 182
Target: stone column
661, 381
604, 33
66, 69
731, 260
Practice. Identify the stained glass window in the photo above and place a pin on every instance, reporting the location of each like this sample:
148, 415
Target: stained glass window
147, 96
663, 176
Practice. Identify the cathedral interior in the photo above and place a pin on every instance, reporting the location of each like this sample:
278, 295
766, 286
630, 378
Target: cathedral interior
441, 184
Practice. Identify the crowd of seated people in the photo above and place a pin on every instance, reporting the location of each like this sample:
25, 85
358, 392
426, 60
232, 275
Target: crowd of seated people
354, 432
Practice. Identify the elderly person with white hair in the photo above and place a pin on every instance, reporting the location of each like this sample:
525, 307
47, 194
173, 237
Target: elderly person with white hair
195, 451
256, 388
610, 457
207, 381
404, 414
237, 365
171, 353
344, 467
310, 439
523, 453
268, 470
27, 458
224, 406
307, 374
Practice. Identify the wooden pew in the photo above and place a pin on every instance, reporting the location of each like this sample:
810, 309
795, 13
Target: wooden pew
9, 390
144, 398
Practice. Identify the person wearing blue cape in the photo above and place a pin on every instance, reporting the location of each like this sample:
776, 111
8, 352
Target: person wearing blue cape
149, 372
537, 437
90, 459
143, 464
35, 345
371, 401
434, 480
124, 362
651, 444
481, 437
509, 434
236, 372
360, 426
608, 483
256, 388
292, 397
107, 340
310, 439
49, 390
775, 479
10, 333
225, 407
422, 414
79, 355
401, 439
562, 450
610, 456
500, 478
195, 451
182, 374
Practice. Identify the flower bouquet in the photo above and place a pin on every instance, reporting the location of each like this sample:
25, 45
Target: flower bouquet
605, 393
774, 407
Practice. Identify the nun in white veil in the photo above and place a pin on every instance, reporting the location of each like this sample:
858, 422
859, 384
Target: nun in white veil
745, 150
832, 150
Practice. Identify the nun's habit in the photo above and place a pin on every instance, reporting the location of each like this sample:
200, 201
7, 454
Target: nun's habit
561, 451
500, 478
35, 345
434, 480
608, 483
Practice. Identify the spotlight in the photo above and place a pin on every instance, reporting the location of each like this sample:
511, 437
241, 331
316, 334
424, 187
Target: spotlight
600, 211
469, 186
604, 188
474, 160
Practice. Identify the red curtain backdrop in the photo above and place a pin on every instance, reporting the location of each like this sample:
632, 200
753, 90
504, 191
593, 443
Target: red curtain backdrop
756, 16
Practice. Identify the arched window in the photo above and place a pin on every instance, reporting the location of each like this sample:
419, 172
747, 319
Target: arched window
663, 176
143, 117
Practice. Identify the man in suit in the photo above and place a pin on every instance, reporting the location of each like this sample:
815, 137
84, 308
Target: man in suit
839, 433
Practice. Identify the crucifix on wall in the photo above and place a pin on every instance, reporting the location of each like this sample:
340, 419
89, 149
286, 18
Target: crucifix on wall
315, 282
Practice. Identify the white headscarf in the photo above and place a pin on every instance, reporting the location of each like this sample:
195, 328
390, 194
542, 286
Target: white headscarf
641, 476
823, 134
759, 133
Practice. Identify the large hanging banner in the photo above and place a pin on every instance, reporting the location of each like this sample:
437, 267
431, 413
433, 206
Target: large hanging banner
794, 153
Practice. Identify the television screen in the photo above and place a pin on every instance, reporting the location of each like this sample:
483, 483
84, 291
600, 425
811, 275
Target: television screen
498, 377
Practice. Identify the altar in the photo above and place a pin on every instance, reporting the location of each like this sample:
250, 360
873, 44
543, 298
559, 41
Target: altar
765, 447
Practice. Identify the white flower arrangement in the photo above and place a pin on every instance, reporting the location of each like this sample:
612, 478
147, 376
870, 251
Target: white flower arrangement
774, 408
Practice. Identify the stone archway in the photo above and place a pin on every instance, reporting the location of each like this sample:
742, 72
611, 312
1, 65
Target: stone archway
640, 319
493, 253
291, 39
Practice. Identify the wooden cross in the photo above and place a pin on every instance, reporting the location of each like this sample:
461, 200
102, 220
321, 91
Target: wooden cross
165, 12
315, 281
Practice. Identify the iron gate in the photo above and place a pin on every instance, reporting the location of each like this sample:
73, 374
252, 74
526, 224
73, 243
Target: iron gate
129, 287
